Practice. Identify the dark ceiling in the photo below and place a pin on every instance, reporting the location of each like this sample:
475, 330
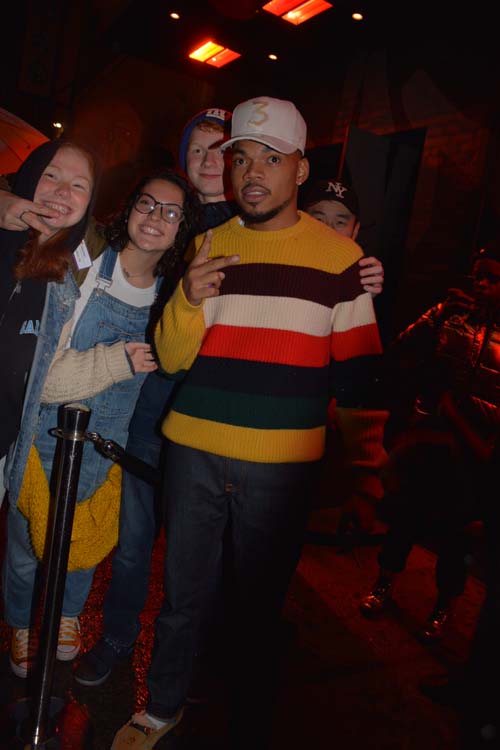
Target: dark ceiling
313, 57
147, 31
313, 50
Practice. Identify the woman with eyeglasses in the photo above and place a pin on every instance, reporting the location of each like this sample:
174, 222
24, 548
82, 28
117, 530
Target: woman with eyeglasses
101, 361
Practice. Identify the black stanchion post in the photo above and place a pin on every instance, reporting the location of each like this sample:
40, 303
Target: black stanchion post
72, 424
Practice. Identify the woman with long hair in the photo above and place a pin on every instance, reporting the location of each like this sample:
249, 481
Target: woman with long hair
60, 177
101, 360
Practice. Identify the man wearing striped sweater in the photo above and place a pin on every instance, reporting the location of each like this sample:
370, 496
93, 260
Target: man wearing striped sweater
269, 321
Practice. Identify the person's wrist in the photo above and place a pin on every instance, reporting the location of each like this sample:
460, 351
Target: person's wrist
130, 361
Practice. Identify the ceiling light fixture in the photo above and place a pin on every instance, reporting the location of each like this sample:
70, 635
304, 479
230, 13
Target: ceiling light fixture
294, 12
214, 54
357, 16
223, 58
175, 16
273, 57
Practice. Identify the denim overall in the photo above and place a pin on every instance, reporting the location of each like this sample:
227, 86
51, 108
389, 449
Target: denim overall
104, 320
128, 587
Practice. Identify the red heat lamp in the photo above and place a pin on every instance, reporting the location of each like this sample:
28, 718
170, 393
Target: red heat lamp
296, 13
214, 54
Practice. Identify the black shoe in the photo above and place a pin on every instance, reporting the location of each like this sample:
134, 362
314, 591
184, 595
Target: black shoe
436, 624
378, 598
96, 665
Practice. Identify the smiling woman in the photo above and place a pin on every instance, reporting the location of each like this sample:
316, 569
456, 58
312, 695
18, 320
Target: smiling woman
62, 176
94, 341
65, 186
64, 189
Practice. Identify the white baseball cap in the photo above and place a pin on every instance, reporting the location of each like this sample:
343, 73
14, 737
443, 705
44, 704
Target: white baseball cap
276, 123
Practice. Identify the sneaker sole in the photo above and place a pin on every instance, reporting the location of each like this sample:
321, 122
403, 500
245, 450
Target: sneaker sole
92, 683
17, 670
67, 656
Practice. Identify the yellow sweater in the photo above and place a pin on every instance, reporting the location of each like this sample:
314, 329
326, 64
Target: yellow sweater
255, 362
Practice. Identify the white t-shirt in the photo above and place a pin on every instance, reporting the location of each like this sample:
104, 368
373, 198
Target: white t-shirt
120, 289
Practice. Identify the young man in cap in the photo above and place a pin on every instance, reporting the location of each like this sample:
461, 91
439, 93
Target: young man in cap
253, 339
201, 158
337, 206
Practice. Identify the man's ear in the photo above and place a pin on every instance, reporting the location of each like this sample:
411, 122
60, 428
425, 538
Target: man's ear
302, 170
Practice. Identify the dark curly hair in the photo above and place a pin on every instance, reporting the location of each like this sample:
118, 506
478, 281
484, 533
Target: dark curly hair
116, 232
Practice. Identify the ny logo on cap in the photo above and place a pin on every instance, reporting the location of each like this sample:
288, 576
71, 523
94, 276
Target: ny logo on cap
337, 188
220, 114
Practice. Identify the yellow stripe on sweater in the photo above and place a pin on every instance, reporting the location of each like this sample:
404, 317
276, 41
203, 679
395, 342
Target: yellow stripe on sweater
245, 443
329, 251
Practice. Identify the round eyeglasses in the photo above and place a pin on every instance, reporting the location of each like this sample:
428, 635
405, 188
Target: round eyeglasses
170, 212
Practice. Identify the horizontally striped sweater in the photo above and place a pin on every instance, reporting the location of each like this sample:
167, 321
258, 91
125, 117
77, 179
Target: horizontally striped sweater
254, 361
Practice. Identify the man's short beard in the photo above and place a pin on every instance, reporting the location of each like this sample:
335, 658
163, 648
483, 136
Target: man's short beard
249, 219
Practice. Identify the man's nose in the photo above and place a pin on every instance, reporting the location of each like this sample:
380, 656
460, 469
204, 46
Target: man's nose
253, 171
213, 156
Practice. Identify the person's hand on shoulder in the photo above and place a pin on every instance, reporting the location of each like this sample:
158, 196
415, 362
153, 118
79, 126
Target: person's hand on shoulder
371, 272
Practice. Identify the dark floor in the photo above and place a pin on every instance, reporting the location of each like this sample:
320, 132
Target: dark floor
348, 682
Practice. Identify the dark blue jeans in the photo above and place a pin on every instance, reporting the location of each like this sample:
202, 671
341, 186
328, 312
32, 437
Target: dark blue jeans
259, 513
128, 588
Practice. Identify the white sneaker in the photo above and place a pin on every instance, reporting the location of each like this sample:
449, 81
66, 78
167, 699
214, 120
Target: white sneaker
23, 648
69, 641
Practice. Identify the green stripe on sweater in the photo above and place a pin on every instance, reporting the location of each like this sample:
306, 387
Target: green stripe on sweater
251, 410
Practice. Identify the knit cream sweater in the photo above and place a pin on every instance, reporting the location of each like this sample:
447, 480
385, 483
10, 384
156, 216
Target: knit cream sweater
76, 375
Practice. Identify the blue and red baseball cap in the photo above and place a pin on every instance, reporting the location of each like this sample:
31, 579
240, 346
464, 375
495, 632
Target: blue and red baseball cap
214, 114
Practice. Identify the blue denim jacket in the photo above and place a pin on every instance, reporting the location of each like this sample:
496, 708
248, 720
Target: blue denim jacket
104, 320
58, 309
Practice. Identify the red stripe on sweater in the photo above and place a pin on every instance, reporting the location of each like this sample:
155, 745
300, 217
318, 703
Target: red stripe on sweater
266, 345
356, 342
